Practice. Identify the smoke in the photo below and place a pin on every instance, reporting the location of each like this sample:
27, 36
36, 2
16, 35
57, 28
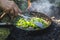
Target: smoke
43, 6
56, 1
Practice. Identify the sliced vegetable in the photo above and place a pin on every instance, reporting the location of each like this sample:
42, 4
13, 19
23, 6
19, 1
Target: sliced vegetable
30, 23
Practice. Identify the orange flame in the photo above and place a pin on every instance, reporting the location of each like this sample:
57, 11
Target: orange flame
29, 4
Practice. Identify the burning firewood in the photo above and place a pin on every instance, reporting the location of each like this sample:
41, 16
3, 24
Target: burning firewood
55, 20
2, 15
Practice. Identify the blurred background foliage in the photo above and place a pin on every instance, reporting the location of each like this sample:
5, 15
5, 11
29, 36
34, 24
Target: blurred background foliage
4, 32
22, 4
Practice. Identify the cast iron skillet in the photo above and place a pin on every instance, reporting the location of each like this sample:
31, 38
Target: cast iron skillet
38, 14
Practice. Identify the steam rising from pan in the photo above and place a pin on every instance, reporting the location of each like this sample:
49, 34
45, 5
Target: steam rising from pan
43, 6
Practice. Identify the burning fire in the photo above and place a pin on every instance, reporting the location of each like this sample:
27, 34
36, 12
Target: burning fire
29, 4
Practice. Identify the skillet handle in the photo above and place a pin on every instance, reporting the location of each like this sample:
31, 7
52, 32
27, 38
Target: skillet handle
6, 24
